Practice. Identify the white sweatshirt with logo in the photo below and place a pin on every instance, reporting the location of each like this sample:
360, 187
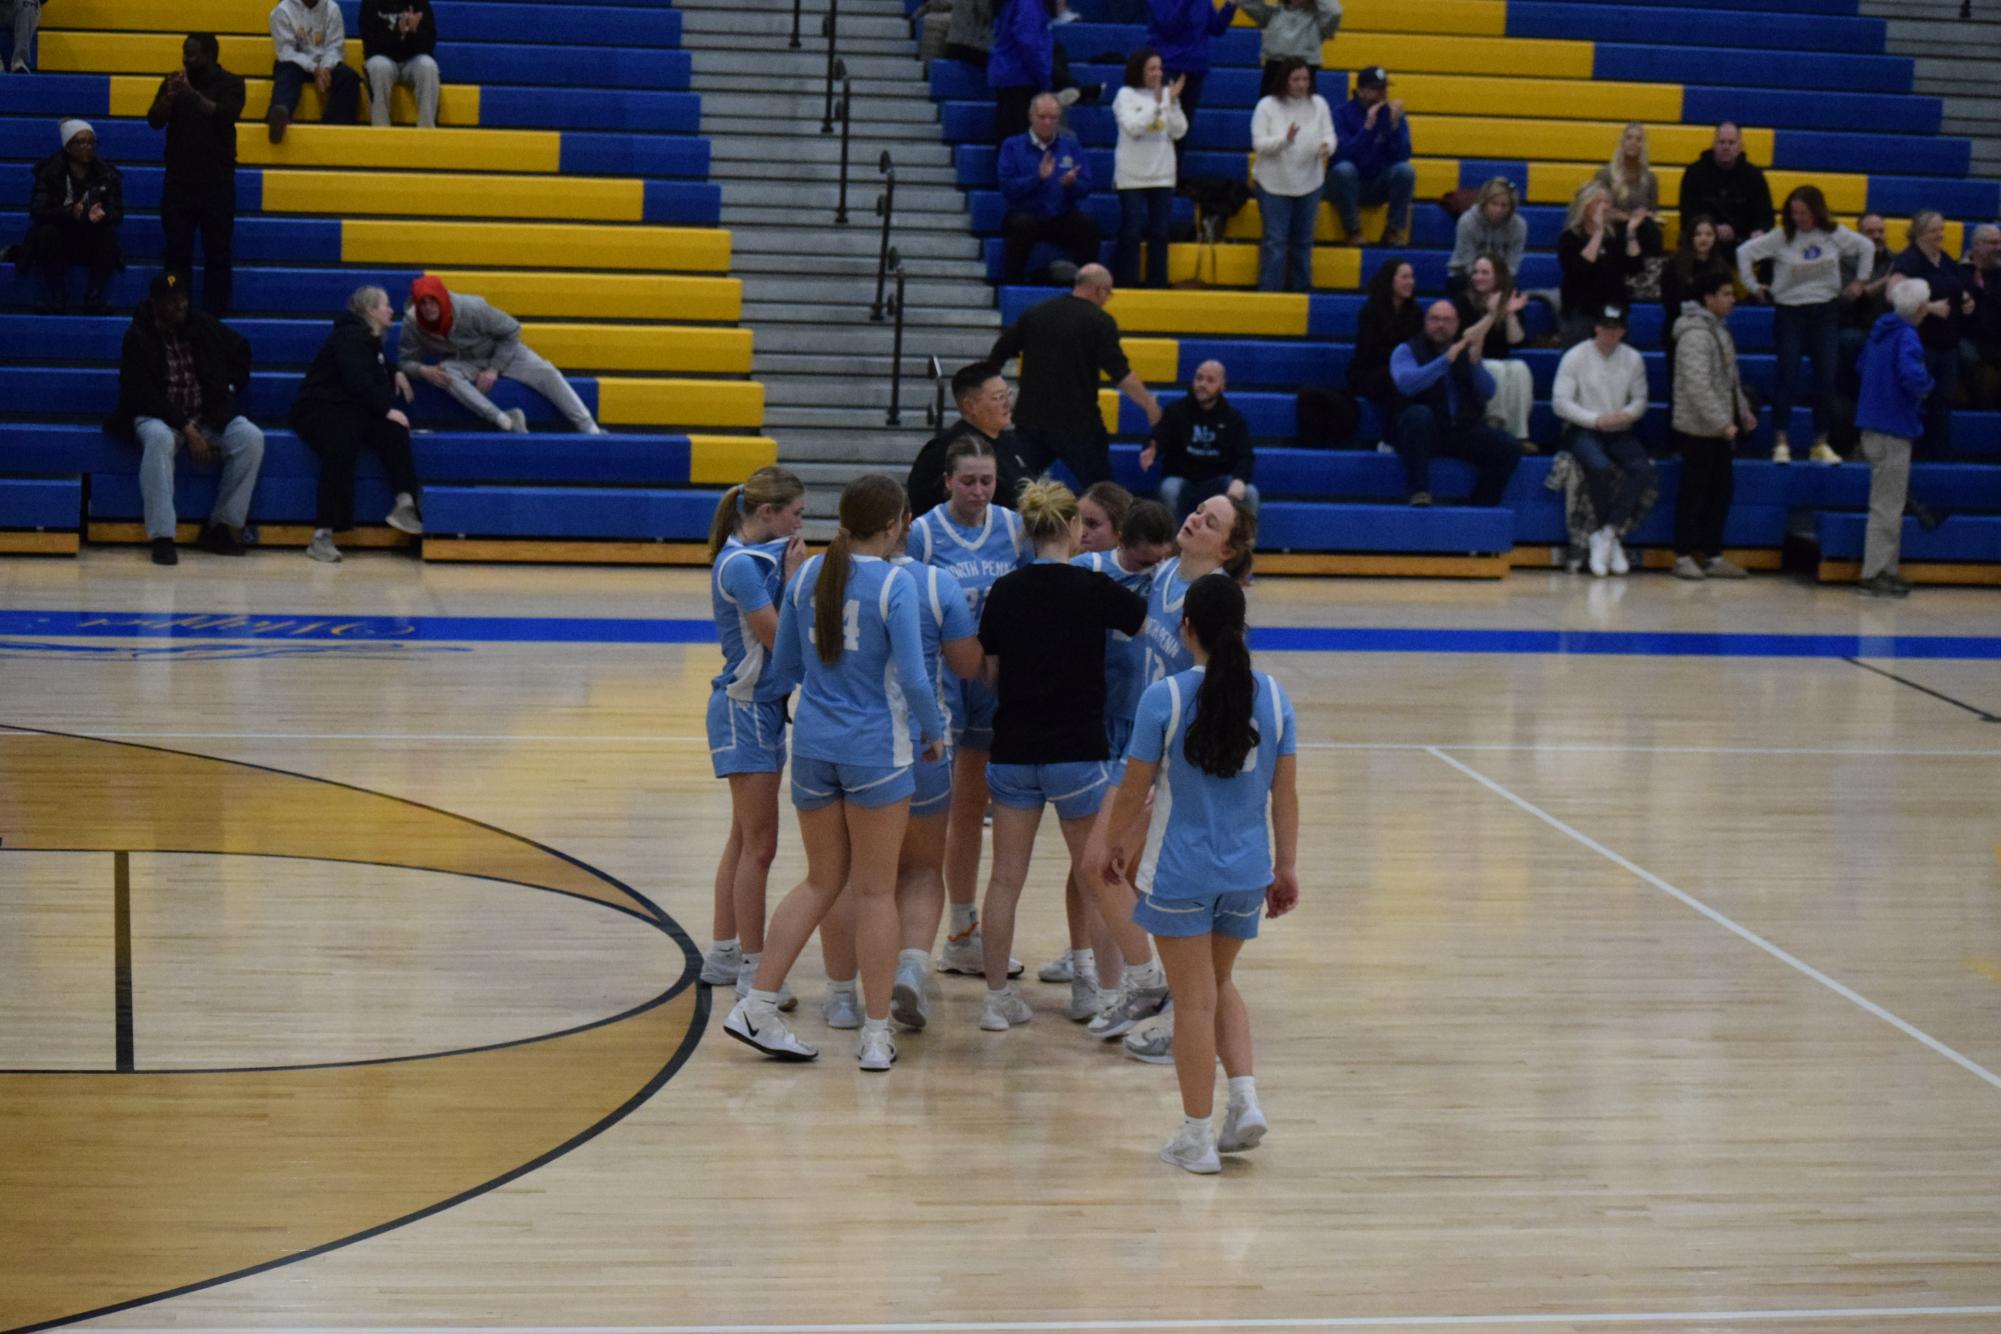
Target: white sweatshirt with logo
1806, 268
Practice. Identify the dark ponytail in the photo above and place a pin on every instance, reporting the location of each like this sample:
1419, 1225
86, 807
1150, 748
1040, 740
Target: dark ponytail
871, 503
1221, 735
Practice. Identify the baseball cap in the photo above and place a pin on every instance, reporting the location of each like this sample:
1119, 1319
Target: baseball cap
1610, 314
1374, 76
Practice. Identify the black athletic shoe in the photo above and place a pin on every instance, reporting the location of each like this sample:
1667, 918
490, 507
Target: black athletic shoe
219, 541
164, 553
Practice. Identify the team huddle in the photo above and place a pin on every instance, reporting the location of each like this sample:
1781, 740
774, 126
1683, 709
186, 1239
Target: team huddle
1071, 652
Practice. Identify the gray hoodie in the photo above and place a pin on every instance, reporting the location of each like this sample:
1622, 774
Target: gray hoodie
1708, 393
1293, 32
482, 336
311, 38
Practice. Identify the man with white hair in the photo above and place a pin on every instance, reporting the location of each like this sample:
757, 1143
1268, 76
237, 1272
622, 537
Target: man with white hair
1980, 350
1895, 383
1044, 180
1203, 445
78, 202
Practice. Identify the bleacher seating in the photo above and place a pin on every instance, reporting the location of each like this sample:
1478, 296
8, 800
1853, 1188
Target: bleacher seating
1537, 92
567, 183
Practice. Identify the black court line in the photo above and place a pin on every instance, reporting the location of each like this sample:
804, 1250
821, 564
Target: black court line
1974, 709
121, 956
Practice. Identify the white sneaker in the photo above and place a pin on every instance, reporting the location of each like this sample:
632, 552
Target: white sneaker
1124, 1014
1083, 1000
721, 965
768, 1034
1618, 554
404, 520
748, 974
841, 1010
1057, 970
517, 422
876, 1051
322, 548
1782, 453
1153, 1044
966, 955
1003, 1010
1192, 1150
909, 1004
1601, 553
1243, 1128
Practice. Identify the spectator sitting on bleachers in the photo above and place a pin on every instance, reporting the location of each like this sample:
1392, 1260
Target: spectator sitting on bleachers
1044, 179
1490, 290
1951, 304
1711, 412
1635, 190
74, 212
1065, 344
1292, 133
969, 34
1595, 263
1181, 30
1020, 66
309, 38
475, 343
1805, 253
1148, 111
1292, 28
1203, 446
397, 41
1441, 399
348, 401
24, 17
1895, 383
1980, 350
1372, 159
1723, 184
1390, 317
197, 105
1695, 258
1493, 226
986, 410
1600, 396
180, 377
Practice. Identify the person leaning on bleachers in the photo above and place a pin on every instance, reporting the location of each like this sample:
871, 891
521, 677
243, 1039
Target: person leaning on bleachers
1711, 413
23, 17
1895, 385
1595, 263
1292, 29
1292, 133
74, 212
398, 38
1148, 111
1181, 31
1980, 349
348, 401
1390, 317
1600, 396
1635, 190
1493, 226
1490, 290
1044, 180
1728, 187
1951, 304
474, 344
1372, 159
1441, 400
1021, 64
309, 38
181, 376
1203, 445
986, 410
197, 105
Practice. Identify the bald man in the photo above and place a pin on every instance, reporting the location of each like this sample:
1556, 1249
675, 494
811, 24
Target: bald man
1203, 446
1044, 180
1066, 344
1440, 407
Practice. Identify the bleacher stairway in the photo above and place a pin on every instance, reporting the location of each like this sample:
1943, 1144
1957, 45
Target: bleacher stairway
1956, 58
808, 283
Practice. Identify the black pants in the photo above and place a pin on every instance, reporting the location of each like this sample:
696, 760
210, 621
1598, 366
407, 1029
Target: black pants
1707, 485
93, 245
1191, 98
1076, 232
1087, 456
1421, 437
338, 436
211, 210
343, 98
1011, 111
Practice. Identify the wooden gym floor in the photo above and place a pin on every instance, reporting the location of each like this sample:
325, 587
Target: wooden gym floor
1648, 977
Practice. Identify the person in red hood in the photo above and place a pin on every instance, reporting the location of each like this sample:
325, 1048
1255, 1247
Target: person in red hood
462, 344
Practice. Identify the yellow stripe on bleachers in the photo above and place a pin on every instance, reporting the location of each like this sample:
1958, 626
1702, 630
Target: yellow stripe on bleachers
652, 348
601, 296
1467, 18
1277, 314
182, 16
368, 146
155, 52
1557, 99
458, 103
1108, 410
725, 460
1434, 178
1155, 360
1237, 265
680, 403
432, 195
551, 245
1556, 182
1458, 55
1566, 140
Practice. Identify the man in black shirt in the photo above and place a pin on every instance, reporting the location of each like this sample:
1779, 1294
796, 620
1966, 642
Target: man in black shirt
1204, 447
986, 410
1065, 344
197, 106
1723, 185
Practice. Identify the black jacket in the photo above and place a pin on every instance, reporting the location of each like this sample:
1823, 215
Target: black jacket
379, 36
222, 367
1064, 343
348, 373
1202, 443
1378, 334
1740, 196
201, 148
926, 486
1590, 284
101, 185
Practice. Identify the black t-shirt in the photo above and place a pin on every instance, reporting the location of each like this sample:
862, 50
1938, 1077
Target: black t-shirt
1046, 623
1064, 343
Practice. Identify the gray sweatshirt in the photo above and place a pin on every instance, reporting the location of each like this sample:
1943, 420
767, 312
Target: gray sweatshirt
482, 336
1806, 268
1476, 238
1293, 32
311, 38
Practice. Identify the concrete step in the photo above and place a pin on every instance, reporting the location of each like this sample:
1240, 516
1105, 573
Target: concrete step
762, 313
767, 367
857, 288
752, 247
750, 203
866, 386
817, 157
851, 49
854, 255
866, 138
740, 111
725, 26
769, 269
954, 347
881, 77
861, 421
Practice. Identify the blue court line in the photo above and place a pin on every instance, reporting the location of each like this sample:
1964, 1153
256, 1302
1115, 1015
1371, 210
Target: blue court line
1275, 639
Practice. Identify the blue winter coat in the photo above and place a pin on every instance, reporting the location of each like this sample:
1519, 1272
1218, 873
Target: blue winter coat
1180, 31
1372, 151
1894, 380
1024, 53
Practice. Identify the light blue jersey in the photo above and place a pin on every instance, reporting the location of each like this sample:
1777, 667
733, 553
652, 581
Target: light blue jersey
976, 557
1209, 835
1125, 656
745, 578
864, 707
1165, 653
942, 616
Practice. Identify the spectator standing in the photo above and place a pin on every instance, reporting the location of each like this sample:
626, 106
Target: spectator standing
1148, 112
1711, 414
1020, 65
1805, 253
1635, 190
1044, 181
1203, 446
23, 17
1293, 136
1595, 262
1490, 291
1390, 318
1724, 185
1292, 29
1493, 226
1065, 344
197, 105
1442, 393
1372, 159
78, 202
1695, 258
1980, 350
969, 36
1601, 395
398, 38
310, 39
1951, 304
986, 411
348, 401
1181, 30
1895, 383
181, 375
474, 344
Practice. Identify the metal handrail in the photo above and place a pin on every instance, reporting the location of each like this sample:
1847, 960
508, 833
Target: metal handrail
796, 4
830, 29
847, 107
895, 417
934, 416
885, 208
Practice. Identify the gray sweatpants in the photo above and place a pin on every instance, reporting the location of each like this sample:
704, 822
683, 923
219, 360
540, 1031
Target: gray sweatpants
24, 16
1889, 483
242, 446
530, 369
419, 74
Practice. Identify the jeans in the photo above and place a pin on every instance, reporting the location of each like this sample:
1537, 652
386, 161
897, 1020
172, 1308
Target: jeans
1285, 256
24, 16
1420, 437
1708, 483
1816, 331
338, 435
242, 448
1088, 457
419, 74
1075, 231
531, 369
343, 96
1943, 363
211, 210
1181, 496
1889, 484
1599, 454
1143, 215
1347, 189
